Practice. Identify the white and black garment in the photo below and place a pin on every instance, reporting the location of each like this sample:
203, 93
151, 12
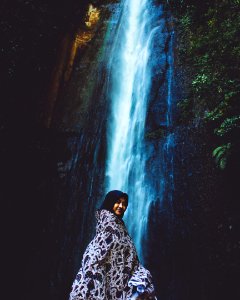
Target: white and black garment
110, 266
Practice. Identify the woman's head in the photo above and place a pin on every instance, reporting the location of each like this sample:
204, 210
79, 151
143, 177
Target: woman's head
116, 202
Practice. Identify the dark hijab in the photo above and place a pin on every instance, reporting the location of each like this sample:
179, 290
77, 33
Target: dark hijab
111, 198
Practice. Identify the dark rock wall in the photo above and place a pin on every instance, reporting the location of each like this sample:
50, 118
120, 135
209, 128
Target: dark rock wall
38, 199
193, 242
206, 226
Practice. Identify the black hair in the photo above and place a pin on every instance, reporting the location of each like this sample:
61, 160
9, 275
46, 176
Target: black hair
111, 198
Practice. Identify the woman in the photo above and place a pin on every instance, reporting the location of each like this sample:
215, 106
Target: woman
110, 266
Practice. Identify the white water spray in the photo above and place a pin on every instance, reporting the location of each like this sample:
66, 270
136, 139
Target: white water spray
130, 77
131, 71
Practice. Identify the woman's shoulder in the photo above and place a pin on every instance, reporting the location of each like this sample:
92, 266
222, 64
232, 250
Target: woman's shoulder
107, 220
104, 215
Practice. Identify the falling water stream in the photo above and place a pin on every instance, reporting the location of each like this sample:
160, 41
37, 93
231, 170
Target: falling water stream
130, 74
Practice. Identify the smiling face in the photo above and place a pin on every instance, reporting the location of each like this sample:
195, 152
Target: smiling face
120, 207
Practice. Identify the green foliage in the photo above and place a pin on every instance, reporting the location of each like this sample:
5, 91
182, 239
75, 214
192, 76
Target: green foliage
201, 81
185, 21
185, 106
228, 125
216, 113
236, 2
209, 46
220, 154
156, 134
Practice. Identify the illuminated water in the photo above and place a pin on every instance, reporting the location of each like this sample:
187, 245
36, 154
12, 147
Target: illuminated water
130, 80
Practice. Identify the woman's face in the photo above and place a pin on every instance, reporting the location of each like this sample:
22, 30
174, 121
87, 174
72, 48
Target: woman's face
120, 207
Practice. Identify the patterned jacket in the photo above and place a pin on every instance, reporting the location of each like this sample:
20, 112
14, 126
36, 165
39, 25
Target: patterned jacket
110, 266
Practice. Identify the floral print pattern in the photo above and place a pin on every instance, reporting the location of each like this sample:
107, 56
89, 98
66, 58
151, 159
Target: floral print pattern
110, 266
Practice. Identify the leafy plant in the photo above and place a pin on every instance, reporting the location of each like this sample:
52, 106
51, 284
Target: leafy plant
220, 154
209, 50
228, 125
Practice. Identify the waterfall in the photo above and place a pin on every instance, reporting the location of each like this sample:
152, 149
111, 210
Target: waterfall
129, 90
169, 144
137, 59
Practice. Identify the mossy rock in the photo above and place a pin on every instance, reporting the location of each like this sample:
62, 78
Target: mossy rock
157, 134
